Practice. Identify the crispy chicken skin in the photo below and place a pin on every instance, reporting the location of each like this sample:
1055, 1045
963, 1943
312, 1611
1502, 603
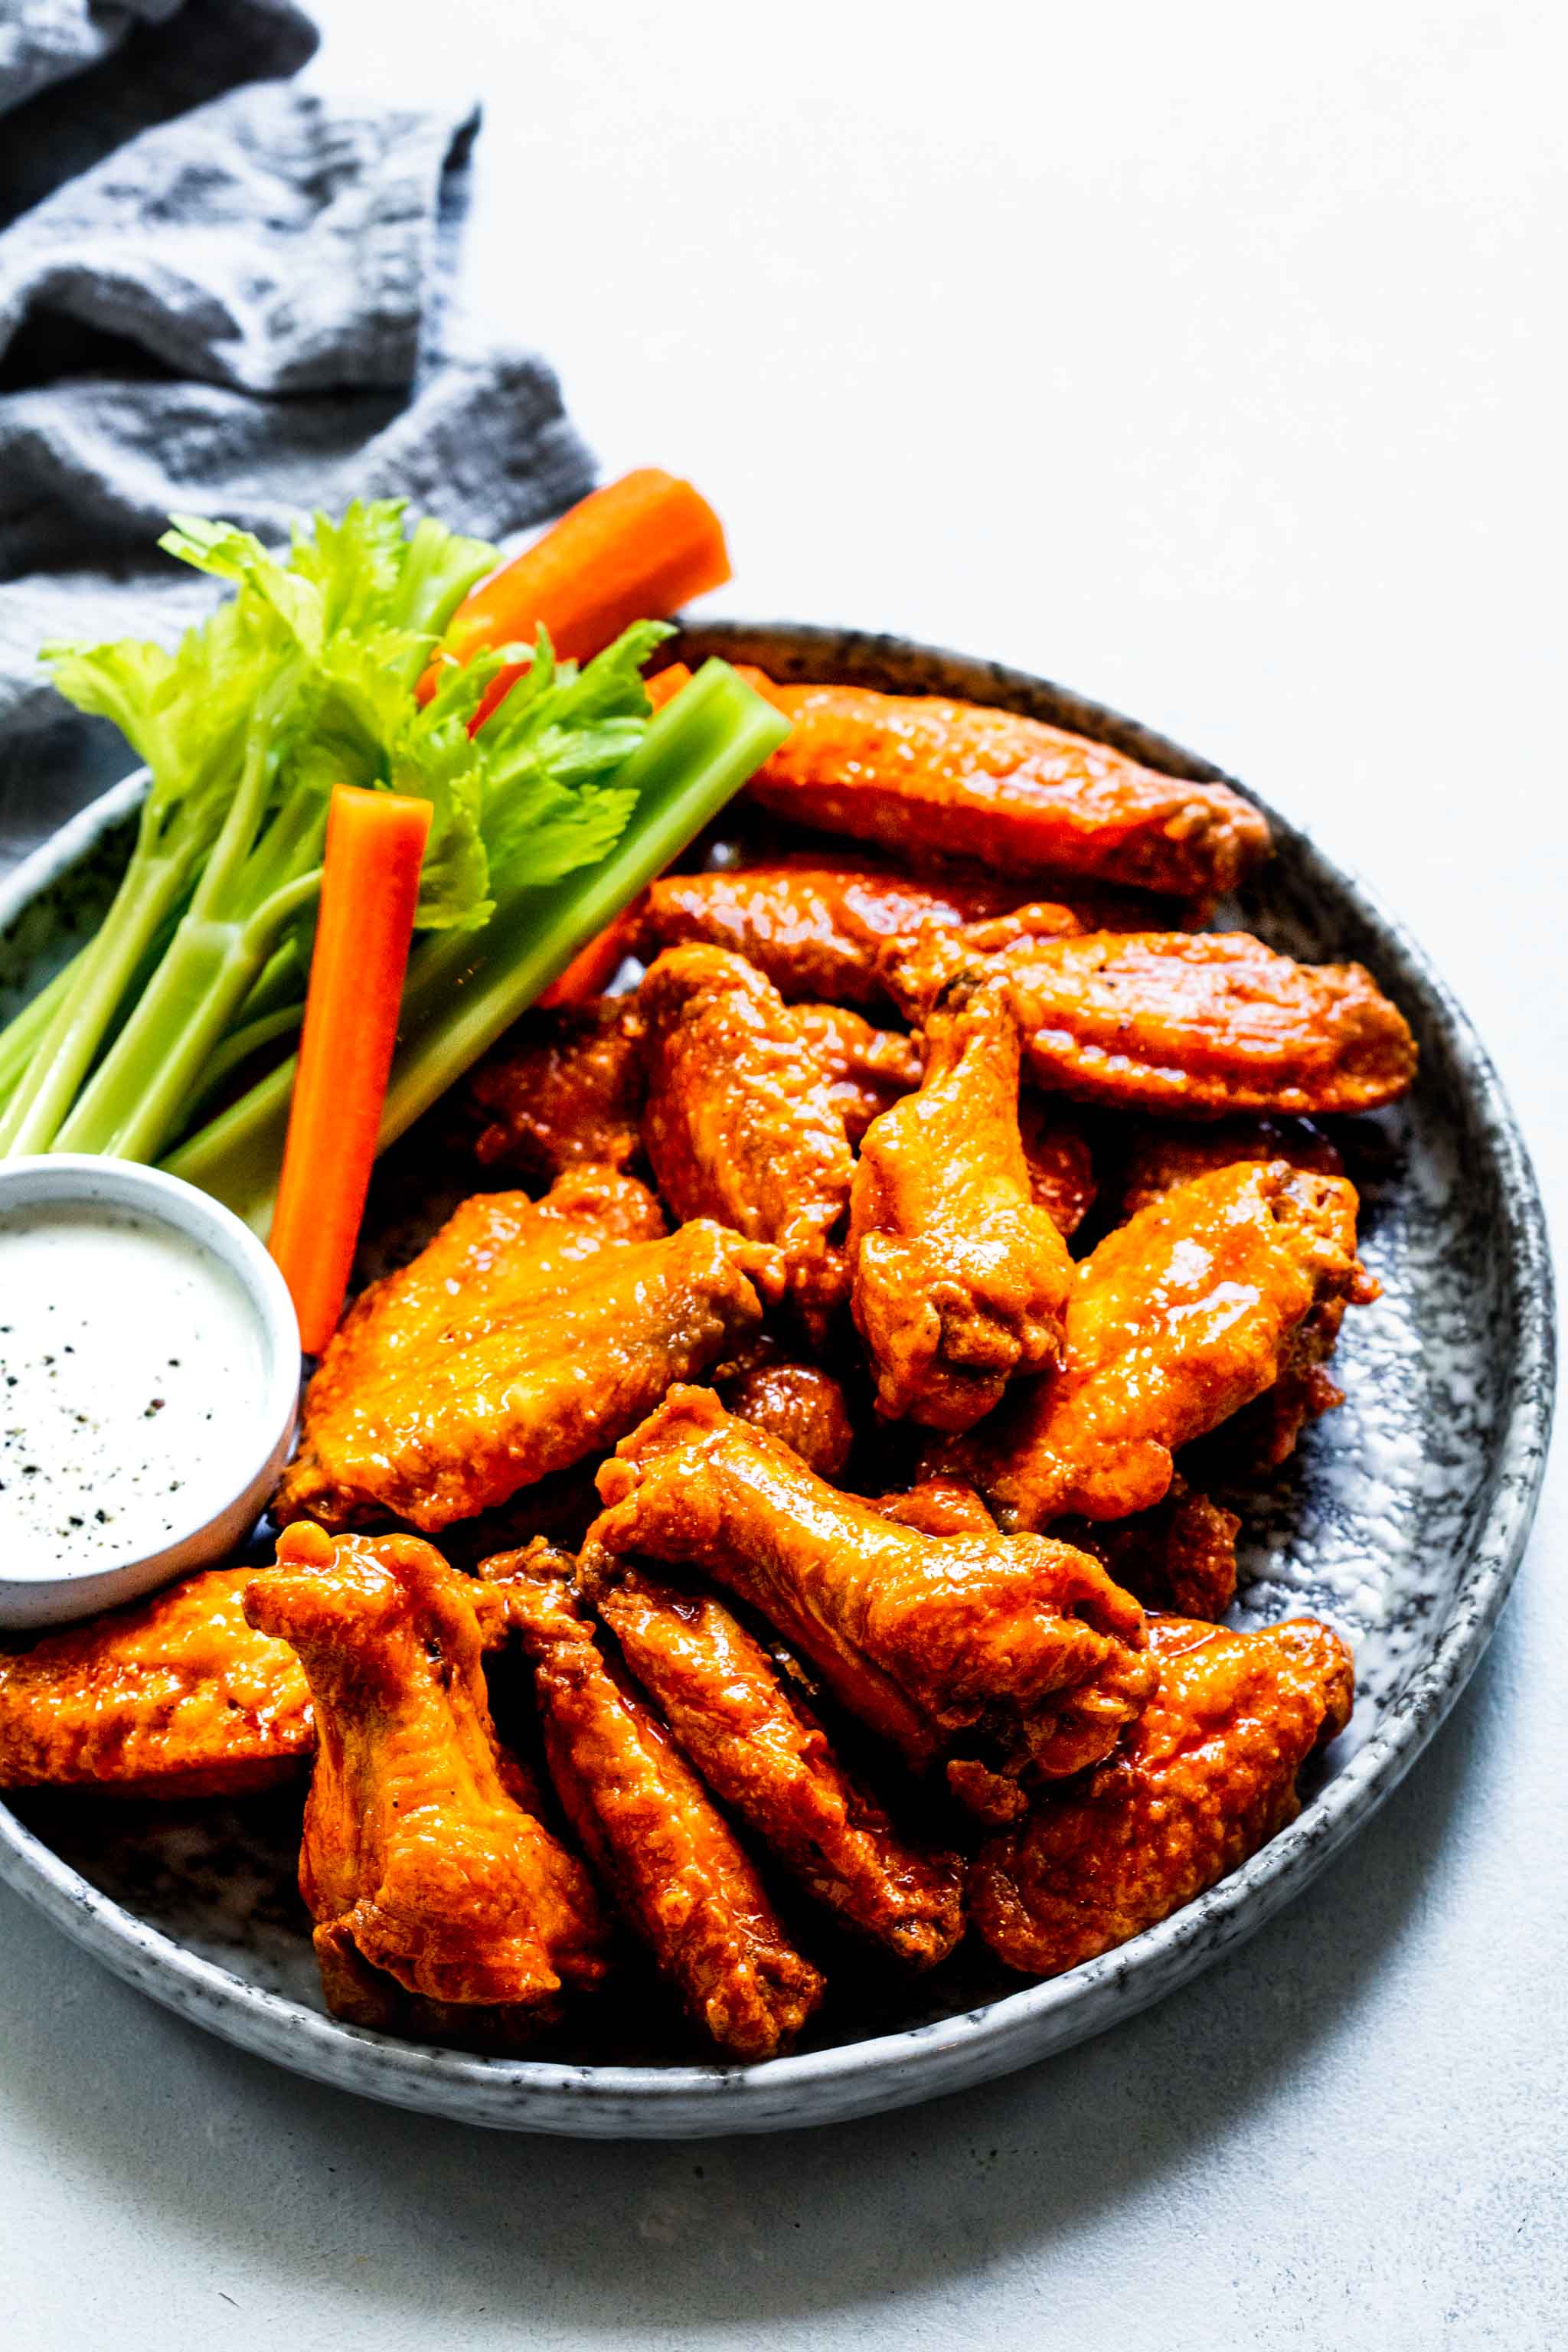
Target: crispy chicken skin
924, 776
958, 1277
800, 1404
420, 1866
866, 1069
1062, 1179
814, 928
1181, 1556
1180, 1318
505, 1395
740, 1123
1205, 1777
562, 1089
1007, 1659
767, 1759
679, 1874
1198, 1024
174, 1696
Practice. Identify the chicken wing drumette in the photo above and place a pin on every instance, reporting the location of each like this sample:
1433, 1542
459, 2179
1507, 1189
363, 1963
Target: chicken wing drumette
958, 1277
677, 1873
1180, 1318
174, 1696
1205, 1777
1004, 1660
441, 1904
740, 1123
766, 1756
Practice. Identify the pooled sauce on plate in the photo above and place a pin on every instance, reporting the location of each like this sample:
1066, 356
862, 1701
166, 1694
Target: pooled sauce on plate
131, 1378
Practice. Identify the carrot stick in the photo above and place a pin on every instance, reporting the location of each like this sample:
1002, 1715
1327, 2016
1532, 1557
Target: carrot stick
665, 684
593, 967
632, 552
370, 885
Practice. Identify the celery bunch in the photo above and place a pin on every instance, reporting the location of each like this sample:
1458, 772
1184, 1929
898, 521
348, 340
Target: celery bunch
546, 820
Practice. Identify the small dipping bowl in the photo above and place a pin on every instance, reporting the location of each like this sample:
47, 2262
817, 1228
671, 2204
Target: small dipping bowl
231, 1482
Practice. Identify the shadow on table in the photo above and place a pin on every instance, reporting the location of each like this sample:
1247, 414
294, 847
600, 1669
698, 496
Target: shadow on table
639, 2237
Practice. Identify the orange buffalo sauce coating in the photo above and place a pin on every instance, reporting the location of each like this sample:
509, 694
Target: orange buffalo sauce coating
1205, 1777
923, 775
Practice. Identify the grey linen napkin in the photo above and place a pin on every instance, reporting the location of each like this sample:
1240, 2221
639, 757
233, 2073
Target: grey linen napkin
239, 311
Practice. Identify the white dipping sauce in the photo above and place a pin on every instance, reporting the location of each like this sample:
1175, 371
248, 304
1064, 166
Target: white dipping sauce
131, 1386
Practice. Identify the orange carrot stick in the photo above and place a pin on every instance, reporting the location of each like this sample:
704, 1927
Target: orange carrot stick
632, 552
370, 885
593, 967
665, 684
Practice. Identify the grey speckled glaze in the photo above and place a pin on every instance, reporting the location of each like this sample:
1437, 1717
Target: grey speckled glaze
1402, 1520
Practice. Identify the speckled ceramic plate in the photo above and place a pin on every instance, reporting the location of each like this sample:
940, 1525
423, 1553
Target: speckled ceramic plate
1402, 1520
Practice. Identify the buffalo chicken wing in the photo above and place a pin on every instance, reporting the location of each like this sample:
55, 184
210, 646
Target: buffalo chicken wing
441, 1903
816, 930
1180, 1318
959, 1278
1205, 1777
1006, 1660
920, 776
741, 1123
680, 1876
1198, 1024
174, 1696
766, 1757
505, 1383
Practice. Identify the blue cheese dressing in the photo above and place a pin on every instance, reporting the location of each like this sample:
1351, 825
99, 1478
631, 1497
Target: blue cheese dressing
131, 1385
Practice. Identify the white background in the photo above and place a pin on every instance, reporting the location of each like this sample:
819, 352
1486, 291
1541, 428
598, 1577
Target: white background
1209, 359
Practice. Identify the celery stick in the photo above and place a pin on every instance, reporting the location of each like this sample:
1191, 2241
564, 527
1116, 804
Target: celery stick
698, 752
466, 988
20, 1038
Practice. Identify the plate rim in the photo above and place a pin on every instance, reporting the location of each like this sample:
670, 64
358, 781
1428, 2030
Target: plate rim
905, 2065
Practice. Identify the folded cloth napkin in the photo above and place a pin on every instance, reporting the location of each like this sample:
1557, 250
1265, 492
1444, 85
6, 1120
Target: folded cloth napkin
240, 310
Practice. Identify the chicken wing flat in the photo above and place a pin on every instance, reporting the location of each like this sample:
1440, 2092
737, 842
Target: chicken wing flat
1180, 1557
799, 1403
1180, 1318
1196, 1023
814, 930
425, 1873
1205, 1777
497, 1248
741, 1123
563, 1088
866, 1069
508, 1393
1007, 1659
924, 776
677, 1873
958, 1277
1264, 1434
174, 1696
767, 1759
1062, 1179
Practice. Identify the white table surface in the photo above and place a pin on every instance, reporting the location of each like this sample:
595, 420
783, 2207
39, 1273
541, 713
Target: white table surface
1209, 359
